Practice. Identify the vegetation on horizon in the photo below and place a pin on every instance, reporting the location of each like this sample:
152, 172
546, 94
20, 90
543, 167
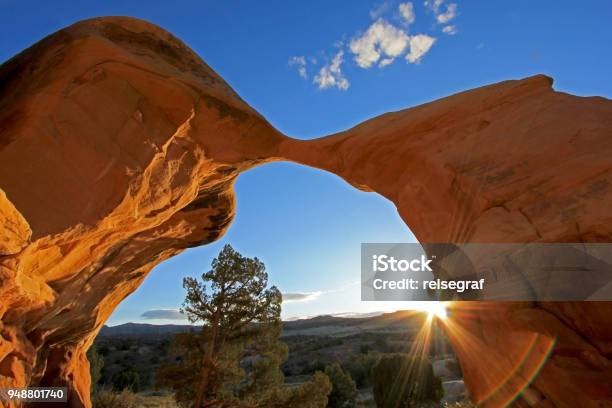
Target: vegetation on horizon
236, 359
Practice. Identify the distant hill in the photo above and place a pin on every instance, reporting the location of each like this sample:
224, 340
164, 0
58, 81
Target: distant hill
319, 325
140, 329
340, 326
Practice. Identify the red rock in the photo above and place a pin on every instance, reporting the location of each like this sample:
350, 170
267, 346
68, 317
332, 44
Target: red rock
119, 148
14, 231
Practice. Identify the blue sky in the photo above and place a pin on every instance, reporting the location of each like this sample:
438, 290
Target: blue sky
305, 224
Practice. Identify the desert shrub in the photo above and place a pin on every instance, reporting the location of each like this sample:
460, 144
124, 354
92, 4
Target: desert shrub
365, 348
96, 362
329, 342
380, 344
402, 381
126, 380
311, 394
344, 391
104, 350
360, 368
312, 367
109, 399
163, 346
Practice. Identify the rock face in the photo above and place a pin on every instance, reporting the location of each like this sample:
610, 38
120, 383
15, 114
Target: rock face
119, 148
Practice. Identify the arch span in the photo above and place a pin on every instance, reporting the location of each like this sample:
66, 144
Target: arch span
119, 148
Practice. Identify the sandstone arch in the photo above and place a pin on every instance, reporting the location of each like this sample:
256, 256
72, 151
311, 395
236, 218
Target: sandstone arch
119, 148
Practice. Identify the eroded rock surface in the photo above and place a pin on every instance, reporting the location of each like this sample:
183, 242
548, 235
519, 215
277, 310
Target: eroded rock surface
119, 148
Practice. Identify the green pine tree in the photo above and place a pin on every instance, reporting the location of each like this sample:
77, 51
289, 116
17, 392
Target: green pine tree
344, 390
234, 361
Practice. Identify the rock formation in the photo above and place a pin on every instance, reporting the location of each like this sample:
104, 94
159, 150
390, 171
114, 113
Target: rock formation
119, 148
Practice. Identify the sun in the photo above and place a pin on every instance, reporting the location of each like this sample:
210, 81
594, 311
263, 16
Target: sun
436, 309
433, 309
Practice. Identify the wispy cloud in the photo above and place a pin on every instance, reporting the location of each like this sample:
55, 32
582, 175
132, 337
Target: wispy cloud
300, 296
450, 29
443, 14
434, 5
300, 63
407, 12
379, 10
448, 15
330, 75
163, 314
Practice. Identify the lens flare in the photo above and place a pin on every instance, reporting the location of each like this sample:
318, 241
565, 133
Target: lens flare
432, 308
437, 309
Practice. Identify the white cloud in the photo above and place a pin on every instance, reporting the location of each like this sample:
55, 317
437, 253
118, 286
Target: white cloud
448, 15
380, 40
297, 60
300, 63
442, 17
434, 5
407, 12
300, 296
164, 314
331, 76
420, 44
381, 44
379, 10
450, 29
384, 62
